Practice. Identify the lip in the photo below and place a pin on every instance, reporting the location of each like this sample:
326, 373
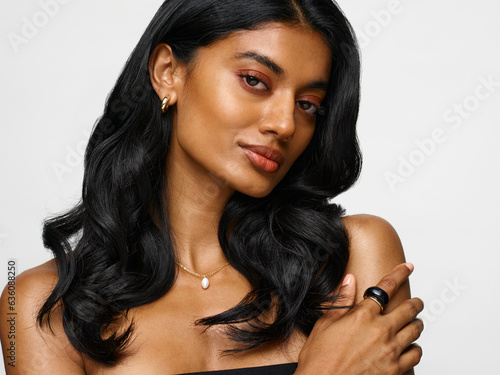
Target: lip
263, 157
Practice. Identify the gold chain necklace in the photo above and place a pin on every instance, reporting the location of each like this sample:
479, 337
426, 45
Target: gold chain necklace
204, 283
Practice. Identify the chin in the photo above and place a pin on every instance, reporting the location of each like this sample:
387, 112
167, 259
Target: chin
253, 184
260, 195
256, 191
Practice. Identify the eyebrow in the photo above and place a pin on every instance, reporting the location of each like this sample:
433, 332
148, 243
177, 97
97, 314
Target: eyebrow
264, 60
269, 63
322, 85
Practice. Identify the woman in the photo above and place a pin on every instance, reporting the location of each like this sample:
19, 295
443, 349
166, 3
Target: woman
205, 226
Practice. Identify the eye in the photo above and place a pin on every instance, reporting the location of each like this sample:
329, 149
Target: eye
254, 82
308, 107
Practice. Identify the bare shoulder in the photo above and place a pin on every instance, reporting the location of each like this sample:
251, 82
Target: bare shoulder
38, 279
375, 249
32, 287
28, 290
31, 348
373, 235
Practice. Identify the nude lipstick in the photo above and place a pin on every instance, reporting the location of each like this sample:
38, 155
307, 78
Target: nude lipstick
263, 157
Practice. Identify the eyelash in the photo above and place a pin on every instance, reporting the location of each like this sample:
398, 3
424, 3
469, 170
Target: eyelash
318, 110
245, 78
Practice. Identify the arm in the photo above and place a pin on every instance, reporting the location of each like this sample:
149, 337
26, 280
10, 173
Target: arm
361, 340
375, 249
36, 350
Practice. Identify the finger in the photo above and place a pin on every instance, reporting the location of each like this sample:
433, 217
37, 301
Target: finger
410, 358
390, 283
405, 313
409, 333
346, 294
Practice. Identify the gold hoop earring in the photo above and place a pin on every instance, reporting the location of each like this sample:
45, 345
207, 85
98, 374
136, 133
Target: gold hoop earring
164, 104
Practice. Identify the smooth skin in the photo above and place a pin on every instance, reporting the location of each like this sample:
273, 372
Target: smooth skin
386, 337
252, 87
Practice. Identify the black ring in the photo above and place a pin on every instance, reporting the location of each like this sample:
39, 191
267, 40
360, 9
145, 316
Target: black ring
379, 295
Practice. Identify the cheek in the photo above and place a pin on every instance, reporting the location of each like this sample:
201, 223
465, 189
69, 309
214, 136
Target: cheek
210, 107
304, 137
210, 118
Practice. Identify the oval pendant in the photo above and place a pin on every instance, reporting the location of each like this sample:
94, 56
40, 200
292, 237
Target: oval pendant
205, 283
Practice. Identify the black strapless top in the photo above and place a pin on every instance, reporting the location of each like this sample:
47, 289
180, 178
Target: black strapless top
281, 369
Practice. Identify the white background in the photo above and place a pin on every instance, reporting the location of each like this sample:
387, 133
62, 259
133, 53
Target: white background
420, 60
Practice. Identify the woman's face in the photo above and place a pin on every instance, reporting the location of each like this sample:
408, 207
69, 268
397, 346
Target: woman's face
247, 110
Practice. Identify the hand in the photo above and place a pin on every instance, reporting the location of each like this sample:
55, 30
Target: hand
363, 341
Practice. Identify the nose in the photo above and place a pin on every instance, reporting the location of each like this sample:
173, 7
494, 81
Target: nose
280, 119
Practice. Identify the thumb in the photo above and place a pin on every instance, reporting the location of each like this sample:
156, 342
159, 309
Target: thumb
346, 293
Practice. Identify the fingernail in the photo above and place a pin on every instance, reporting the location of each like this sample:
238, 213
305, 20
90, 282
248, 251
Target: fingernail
347, 279
410, 266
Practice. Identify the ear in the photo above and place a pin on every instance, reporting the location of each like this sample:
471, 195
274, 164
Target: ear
166, 73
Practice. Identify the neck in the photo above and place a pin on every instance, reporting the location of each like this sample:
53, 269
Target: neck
196, 200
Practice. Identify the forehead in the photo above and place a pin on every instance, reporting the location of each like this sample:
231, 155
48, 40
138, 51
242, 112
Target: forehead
296, 49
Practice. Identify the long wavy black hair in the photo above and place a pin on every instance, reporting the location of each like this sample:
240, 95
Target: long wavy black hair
114, 254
